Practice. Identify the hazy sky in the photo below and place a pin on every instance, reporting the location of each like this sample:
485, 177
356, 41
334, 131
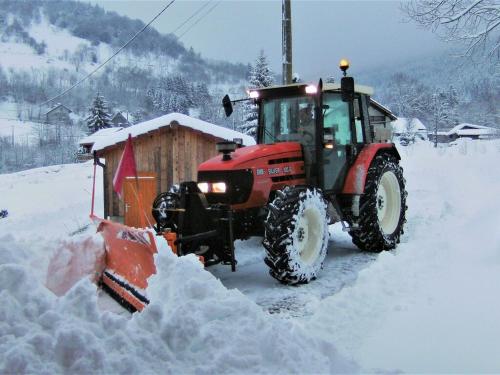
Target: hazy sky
369, 33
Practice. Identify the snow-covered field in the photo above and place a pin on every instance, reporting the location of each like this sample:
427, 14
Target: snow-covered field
430, 306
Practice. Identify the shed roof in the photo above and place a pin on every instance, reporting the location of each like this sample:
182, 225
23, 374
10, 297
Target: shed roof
98, 135
169, 120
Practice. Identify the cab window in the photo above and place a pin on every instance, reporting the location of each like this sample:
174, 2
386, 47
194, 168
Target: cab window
336, 119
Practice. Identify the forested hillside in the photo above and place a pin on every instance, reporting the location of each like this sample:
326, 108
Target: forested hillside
48, 46
129, 82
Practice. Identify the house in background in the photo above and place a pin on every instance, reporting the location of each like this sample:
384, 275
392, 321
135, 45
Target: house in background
58, 115
119, 120
167, 150
413, 127
467, 131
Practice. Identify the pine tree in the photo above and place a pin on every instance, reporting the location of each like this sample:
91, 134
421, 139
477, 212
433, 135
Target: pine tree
99, 117
260, 76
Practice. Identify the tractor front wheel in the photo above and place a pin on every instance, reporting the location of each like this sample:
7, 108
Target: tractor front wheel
296, 235
382, 206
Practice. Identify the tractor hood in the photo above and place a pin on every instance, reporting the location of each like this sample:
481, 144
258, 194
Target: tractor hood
246, 157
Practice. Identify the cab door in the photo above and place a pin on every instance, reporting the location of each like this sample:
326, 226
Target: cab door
338, 140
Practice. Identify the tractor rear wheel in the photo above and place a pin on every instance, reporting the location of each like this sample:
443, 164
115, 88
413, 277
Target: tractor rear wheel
296, 235
382, 207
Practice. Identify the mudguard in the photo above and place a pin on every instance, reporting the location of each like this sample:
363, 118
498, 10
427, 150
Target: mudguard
356, 177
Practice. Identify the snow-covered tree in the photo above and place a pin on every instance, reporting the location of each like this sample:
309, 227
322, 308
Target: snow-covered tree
475, 23
172, 94
407, 96
439, 108
260, 76
99, 117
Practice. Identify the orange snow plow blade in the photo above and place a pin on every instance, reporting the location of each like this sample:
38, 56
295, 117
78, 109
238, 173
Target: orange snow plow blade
129, 262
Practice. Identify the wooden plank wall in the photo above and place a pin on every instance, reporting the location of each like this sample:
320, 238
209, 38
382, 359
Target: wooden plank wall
172, 153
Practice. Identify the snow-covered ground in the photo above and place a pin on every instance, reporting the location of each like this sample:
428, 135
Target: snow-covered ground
430, 306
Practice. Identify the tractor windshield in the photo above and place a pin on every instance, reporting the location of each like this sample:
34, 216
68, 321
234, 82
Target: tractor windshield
288, 119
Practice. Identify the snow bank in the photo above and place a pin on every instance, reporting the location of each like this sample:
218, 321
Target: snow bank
166, 120
194, 325
432, 305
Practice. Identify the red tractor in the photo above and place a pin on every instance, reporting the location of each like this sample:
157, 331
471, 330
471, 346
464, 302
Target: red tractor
317, 161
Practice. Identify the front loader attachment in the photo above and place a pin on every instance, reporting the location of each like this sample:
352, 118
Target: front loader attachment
129, 262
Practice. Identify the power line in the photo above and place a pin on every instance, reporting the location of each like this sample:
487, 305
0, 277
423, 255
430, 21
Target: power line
193, 15
199, 19
112, 56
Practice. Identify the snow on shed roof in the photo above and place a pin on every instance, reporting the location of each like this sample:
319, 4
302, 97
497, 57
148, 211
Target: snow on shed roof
100, 134
400, 125
168, 120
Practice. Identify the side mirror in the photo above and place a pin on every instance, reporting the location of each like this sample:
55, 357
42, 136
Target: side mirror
228, 106
347, 89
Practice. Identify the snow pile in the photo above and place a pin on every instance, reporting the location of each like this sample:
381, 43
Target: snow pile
432, 305
73, 260
193, 325
168, 120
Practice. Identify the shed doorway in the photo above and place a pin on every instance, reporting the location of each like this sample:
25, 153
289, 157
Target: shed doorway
147, 192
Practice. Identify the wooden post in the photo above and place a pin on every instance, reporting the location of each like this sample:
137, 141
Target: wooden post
287, 41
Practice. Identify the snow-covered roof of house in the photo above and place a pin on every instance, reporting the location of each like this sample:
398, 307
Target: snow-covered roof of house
98, 135
58, 105
169, 120
401, 125
471, 129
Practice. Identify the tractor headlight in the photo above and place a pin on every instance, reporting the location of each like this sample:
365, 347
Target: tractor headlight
212, 187
219, 187
203, 186
311, 89
253, 94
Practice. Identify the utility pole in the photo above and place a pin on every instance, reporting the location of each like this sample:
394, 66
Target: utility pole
287, 41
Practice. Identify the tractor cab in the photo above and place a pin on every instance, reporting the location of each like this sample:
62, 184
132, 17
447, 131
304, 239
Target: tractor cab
330, 124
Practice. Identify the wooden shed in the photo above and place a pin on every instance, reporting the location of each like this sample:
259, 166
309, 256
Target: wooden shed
167, 151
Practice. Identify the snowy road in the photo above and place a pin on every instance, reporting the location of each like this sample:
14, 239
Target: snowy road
341, 268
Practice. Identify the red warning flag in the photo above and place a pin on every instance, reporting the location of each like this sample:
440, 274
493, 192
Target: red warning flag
126, 167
